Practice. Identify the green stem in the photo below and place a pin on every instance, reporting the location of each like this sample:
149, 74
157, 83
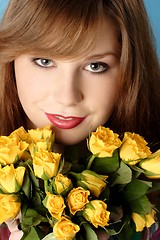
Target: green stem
91, 161
46, 185
76, 175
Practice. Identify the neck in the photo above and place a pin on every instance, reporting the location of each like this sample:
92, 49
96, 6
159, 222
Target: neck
58, 148
75, 152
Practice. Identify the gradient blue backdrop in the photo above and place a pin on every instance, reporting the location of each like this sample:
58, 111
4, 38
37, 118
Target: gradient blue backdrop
153, 9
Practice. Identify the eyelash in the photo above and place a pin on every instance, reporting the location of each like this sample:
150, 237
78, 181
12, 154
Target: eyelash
104, 66
35, 61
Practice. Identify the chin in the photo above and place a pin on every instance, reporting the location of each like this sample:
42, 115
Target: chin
68, 139
67, 142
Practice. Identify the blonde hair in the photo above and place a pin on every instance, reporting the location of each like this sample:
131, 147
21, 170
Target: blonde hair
67, 28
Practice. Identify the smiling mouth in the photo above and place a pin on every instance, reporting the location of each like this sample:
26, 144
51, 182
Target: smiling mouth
63, 122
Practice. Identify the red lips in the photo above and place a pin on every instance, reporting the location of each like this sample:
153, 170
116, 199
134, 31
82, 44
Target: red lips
64, 122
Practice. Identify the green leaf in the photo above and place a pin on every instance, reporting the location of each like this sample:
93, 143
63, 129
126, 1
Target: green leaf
90, 233
135, 189
45, 177
61, 165
66, 167
116, 228
33, 178
126, 232
31, 218
137, 169
1, 192
105, 195
49, 237
26, 164
141, 206
45, 201
33, 234
16, 159
111, 232
37, 199
124, 174
79, 183
26, 187
79, 236
23, 209
106, 165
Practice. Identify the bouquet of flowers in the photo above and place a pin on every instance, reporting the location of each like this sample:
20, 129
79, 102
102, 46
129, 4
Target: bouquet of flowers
59, 199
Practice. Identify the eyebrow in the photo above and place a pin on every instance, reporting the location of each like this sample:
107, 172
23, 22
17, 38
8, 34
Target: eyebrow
102, 55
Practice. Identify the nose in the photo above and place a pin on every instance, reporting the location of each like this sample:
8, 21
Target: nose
68, 87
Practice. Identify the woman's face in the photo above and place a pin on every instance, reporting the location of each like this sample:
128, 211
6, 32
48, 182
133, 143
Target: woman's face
74, 96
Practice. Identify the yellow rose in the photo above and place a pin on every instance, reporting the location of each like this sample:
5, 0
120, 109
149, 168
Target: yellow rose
133, 148
9, 207
62, 183
11, 149
55, 205
40, 139
94, 182
20, 134
103, 142
35, 147
151, 165
65, 229
142, 221
11, 179
77, 199
96, 213
45, 164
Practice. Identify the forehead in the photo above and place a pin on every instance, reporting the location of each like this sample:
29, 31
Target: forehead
59, 30
106, 38
103, 40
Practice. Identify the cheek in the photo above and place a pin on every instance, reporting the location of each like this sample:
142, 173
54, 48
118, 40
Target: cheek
104, 101
105, 87
24, 80
29, 87
105, 96
27, 77
22, 87
25, 90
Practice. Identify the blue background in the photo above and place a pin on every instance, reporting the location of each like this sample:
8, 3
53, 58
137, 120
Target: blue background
153, 9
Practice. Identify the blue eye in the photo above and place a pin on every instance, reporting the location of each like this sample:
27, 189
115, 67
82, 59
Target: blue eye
43, 62
97, 67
